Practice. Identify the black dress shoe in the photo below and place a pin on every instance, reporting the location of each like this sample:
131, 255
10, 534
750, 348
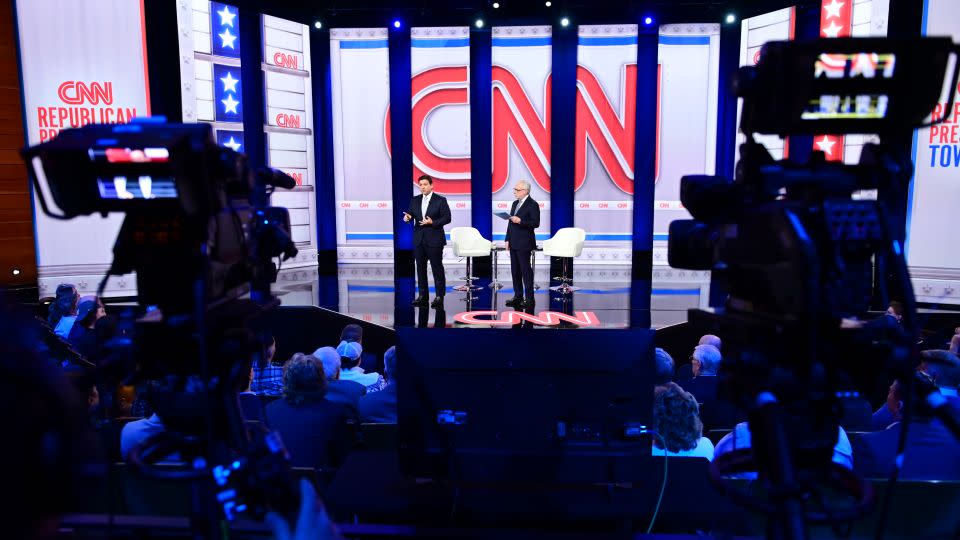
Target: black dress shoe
437, 303
421, 301
529, 302
516, 301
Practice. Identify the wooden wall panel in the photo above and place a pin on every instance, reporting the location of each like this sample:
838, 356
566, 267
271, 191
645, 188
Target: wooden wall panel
17, 239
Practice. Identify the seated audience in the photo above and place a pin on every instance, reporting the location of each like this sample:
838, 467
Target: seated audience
350, 369
739, 439
346, 392
942, 368
368, 361
931, 451
710, 339
251, 406
705, 361
663, 366
267, 376
381, 407
136, 432
715, 411
83, 335
895, 311
676, 417
63, 309
315, 431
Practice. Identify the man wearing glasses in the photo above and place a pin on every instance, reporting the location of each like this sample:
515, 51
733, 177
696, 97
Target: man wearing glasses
521, 241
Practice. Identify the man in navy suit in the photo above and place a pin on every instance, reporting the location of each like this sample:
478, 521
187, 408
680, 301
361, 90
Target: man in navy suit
429, 213
521, 241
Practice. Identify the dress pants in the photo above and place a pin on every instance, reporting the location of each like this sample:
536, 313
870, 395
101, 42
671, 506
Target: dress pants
423, 253
522, 273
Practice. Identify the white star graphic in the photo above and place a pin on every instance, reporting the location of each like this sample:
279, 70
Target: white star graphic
226, 18
232, 144
832, 31
227, 38
825, 145
229, 83
833, 9
230, 104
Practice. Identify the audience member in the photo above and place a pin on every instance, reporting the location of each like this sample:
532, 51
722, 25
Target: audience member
676, 417
705, 361
739, 439
346, 392
368, 361
136, 432
710, 339
267, 376
943, 368
63, 309
350, 369
381, 407
931, 451
82, 335
663, 366
315, 431
895, 311
251, 406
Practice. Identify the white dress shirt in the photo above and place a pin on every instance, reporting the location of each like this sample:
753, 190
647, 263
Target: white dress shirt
424, 204
519, 204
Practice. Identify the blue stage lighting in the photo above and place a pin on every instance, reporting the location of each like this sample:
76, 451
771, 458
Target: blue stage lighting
648, 20
396, 23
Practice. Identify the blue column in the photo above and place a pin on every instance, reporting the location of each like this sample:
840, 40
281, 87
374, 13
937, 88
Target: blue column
401, 120
644, 173
564, 123
727, 100
254, 140
323, 152
481, 119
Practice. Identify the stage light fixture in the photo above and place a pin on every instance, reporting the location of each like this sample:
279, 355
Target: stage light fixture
496, 5
548, 3
396, 23
648, 20
564, 22
16, 271
731, 18
318, 25
479, 23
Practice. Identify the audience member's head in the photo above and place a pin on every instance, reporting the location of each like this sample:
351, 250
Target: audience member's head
710, 339
64, 303
331, 362
897, 402
352, 332
705, 360
269, 346
303, 379
89, 311
390, 364
663, 366
943, 367
676, 418
349, 352
895, 310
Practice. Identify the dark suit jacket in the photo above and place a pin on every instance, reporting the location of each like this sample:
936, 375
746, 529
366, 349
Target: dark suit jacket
251, 406
346, 392
439, 211
317, 433
521, 235
715, 413
931, 452
370, 363
380, 407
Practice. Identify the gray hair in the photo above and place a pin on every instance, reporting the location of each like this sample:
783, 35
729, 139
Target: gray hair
663, 365
710, 339
524, 184
709, 358
331, 362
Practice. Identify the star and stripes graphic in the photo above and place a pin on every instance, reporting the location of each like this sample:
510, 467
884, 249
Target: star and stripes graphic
836, 20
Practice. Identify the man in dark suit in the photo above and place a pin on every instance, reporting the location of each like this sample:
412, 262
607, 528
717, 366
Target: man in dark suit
429, 213
521, 241
346, 392
931, 449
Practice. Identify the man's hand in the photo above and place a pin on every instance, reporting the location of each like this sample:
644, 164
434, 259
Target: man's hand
406, 217
506, 245
514, 219
427, 221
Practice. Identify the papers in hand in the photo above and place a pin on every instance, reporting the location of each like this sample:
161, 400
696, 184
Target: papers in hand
502, 215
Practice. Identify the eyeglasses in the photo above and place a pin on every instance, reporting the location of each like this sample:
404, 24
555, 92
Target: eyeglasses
519, 189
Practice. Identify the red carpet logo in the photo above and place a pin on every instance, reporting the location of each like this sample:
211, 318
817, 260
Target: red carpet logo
510, 318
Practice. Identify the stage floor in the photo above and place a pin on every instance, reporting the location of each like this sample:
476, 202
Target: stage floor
607, 298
